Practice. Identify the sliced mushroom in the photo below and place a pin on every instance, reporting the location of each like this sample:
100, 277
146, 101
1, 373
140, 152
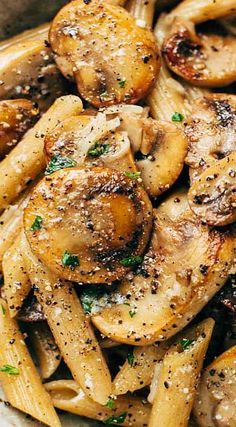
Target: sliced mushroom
92, 224
215, 404
211, 131
185, 266
164, 158
120, 64
16, 117
27, 69
203, 59
213, 196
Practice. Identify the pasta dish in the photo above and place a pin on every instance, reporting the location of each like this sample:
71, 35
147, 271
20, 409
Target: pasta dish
118, 210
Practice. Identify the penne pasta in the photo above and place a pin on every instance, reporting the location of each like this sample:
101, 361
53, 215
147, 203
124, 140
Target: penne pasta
19, 377
27, 160
202, 10
178, 376
71, 329
16, 280
142, 11
47, 352
125, 410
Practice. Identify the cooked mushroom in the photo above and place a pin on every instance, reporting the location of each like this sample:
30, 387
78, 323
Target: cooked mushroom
213, 196
88, 225
215, 404
16, 116
211, 131
27, 69
203, 59
120, 64
185, 266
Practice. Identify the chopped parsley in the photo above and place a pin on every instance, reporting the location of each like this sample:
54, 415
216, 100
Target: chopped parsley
133, 175
70, 260
212, 372
132, 261
185, 343
177, 117
130, 358
89, 296
122, 83
59, 162
37, 224
119, 419
110, 403
98, 149
132, 313
9, 369
3, 310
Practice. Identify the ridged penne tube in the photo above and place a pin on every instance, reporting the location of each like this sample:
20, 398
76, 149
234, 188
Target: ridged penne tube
71, 329
142, 11
16, 281
19, 377
139, 372
178, 377
128, 411
27, 160
46, 350
203, 10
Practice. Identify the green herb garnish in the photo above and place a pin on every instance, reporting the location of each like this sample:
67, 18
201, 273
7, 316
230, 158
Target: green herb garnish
132, 313
98, 149
119, 419
37, 224
130, 358
59, 162
9, 369
185, 343
70, 260
89, 296
132, 175
131, 261
3, 310
122, 83
177, 117
212, 372
110, 403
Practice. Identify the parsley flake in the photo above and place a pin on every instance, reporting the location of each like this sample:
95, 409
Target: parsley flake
122, 83
177, 117
9, 369
110, 403
119, 419
59, 162
70, 260
130, 358
98, 149
89, 296
3, 310
185, 343
132, 313
131, 261
37, 224
133, 175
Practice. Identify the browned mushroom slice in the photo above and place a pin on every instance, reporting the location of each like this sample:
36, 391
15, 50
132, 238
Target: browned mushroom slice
120, 64
185, 266
88, 225
203, 59
164, 158
211, 131
16, 117
213, 196
215, 402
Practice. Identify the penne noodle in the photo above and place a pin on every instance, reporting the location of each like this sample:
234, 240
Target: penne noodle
19, 377
16, 281
137, 371
27, 160
203, 10
116, 2
125, 410
71, 329
47, 352
178, 377
142, 11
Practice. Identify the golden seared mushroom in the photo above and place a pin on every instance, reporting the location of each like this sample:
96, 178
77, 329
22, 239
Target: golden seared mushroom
213, 196
211, 131
16, 117
215, 404
162, 157
88, 225
202, 59
27, 69
100, 45
186, 265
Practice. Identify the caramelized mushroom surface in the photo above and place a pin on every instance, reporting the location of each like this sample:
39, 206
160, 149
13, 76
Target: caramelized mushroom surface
100, 45
92, 224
